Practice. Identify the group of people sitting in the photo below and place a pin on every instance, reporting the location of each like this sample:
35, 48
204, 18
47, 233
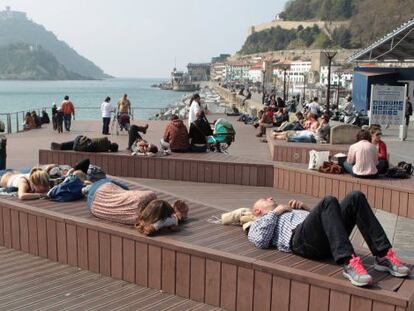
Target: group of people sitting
107, 198
33, 121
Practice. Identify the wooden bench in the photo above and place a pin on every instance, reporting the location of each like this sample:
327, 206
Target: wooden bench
204, 262
283, 151
199, 167
391, 195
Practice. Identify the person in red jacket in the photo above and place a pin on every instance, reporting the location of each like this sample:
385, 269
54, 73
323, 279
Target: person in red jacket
383, 163
176, 136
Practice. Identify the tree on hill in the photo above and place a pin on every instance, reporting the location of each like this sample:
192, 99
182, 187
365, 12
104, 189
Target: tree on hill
330, 10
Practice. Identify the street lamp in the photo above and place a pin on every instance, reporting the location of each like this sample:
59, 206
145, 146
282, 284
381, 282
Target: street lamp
304, 74
263, 81
284, 68
330, 55
339, 74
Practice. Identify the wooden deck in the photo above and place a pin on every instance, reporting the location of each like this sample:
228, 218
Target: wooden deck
283, 151
29, 282
203, 262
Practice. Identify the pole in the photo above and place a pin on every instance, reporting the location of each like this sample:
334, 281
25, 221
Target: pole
263, 87
330, 56
284, 83
304, 87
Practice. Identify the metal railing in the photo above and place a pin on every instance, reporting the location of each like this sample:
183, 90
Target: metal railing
13, 121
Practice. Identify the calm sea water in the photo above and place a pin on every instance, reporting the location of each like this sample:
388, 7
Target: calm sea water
87, 96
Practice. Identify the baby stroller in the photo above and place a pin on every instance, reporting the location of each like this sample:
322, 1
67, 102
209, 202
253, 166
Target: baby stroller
223, 135
123, 122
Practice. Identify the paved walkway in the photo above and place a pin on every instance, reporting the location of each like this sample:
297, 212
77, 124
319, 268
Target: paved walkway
33, 283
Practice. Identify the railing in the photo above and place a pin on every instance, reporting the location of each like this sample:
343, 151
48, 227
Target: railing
13, 121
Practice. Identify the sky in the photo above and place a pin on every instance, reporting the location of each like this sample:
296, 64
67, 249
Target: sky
147, 38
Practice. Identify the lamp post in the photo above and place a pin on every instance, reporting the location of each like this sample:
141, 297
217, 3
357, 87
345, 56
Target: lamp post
339, 74
330, 55
304, 86
263, 81
285, 68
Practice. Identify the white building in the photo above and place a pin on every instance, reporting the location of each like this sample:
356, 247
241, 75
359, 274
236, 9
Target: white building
218, 72
339, 76
237, 71
256, 73
295, 72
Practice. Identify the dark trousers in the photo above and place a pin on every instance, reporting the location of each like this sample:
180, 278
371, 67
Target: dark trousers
105, 127
407, 120
68, 145
67, 118
382, 166
54, 122
325, 232
3, 157
133, 135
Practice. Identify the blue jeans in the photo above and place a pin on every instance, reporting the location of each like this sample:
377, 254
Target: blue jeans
302, 139
67, 118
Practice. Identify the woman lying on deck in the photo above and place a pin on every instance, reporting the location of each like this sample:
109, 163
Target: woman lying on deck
324, 231
112, 200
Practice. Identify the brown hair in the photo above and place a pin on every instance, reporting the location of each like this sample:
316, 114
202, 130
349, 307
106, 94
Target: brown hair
154, 211
363, 135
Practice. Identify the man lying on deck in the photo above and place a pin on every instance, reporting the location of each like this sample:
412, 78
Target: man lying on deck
86, 144
324, 231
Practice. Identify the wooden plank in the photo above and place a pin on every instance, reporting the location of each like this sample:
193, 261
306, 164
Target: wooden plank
318, 299
238, 174
15, 224
410, 212
42, 236
128, 258
371, 195
360, 304
168, 271
322, 187
1, 227
403, 211
141, 263
335, 188
380, 306
269, 177
315, 186
179, 170
82, 240
253, 176
62, 243
262, 291
280, 294
197, 280
93, 250
24, 232
387, 200
213, 276
223, 173
261, 176
104, 253
328, 186
339, 301
245, 175
52, 252
193, 171
182, 286
33, 237
299, 296
292, 181
379, 198
186, 170
245, 283
200, 173
395, 201
154, 267
116, 257
228, 286
71, 245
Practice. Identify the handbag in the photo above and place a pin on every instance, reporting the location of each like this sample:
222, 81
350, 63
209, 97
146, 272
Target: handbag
317, 158
331, 168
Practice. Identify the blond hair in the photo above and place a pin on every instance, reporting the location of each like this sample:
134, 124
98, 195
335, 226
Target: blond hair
39, 177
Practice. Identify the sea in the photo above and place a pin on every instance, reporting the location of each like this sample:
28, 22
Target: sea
87, 96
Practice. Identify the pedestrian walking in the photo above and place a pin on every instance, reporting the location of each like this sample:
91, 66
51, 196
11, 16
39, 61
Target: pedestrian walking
68, 110
408, 111
106, 109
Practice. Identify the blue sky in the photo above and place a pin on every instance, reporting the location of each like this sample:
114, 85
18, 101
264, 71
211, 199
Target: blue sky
143, 38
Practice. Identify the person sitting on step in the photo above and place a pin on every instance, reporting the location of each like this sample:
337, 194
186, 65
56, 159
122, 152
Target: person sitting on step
323, 231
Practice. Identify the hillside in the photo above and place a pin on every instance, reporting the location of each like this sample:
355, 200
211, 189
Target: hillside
25, 62
16, 28
368, 20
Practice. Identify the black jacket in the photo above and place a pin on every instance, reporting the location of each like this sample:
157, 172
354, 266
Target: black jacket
199, 130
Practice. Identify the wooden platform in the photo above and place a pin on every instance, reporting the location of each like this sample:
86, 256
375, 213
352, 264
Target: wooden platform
283, 151
32, 283
391, 195
204, 262
205, 167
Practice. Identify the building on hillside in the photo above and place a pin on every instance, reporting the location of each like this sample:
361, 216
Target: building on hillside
237, 71
8, 14
339, 76
218, 71
256, 73
199, 72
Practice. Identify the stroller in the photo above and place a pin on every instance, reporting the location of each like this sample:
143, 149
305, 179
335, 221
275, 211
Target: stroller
123, 122
223, 135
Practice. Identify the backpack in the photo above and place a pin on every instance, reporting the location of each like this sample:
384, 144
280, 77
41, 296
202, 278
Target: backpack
397, 172
407, 167
69, 190
95, 173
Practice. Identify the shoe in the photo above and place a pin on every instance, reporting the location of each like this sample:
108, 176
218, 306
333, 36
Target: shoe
259, 135
390, 263
356, 272
55, 146
145, 128
256, 125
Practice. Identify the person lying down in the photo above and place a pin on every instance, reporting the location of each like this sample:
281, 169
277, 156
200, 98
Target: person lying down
322, 232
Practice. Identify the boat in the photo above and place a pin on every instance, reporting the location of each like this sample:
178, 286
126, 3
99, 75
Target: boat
181, 82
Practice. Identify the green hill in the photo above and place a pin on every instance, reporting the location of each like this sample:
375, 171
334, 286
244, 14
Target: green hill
26, 62
369, 20
15, 27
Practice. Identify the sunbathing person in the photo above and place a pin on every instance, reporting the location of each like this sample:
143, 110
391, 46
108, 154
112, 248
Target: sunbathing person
31, 186
133, 134
112, 200
86, 144
297, 125
308, 135
324, 232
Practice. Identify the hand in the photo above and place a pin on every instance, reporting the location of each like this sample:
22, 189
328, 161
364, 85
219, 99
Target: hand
281, 208
296, 204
